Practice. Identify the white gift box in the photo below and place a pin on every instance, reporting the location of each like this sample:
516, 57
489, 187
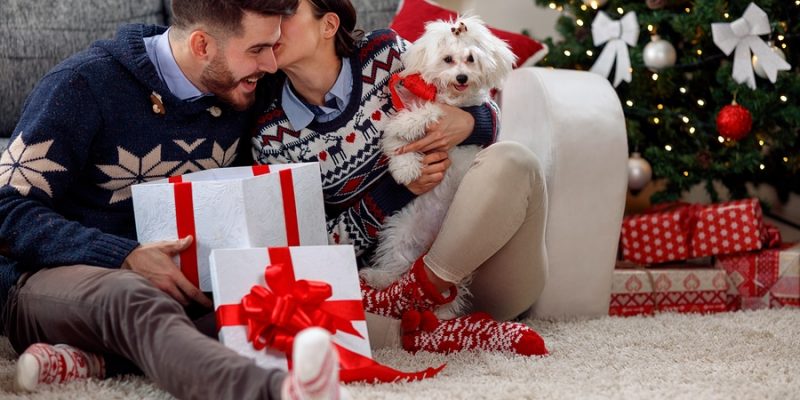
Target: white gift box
234, 272
241, 207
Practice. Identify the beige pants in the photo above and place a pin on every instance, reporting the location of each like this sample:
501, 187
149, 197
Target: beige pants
494, 234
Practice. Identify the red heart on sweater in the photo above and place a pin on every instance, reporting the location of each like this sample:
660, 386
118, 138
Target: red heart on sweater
376, 116
351, 137
323, 155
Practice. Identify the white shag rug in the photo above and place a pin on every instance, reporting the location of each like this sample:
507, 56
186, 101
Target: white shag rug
742, 355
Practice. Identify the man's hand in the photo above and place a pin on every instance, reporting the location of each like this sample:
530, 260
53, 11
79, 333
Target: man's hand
453, 127
434, 166
154, 262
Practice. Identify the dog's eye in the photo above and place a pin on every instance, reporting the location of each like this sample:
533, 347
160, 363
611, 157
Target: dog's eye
448, 59
470, 59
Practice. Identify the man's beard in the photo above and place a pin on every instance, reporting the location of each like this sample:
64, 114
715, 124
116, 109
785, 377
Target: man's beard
219, 80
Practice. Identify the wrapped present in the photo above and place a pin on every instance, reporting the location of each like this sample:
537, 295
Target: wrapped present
764, 279
264, 297
727, 228
243, 207
681, 231
685, 289
632, 293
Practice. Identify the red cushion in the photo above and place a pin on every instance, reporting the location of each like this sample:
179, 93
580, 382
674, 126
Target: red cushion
410, 21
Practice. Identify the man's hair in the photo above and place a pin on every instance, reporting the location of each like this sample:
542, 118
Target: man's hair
347, 35
225, 15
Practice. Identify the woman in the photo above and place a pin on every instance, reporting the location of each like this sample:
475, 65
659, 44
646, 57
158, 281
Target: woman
331, 103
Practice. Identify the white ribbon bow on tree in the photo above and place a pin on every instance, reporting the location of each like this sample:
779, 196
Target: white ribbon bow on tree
619, 35
742, 35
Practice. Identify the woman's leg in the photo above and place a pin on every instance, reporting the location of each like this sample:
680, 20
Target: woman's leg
494, 232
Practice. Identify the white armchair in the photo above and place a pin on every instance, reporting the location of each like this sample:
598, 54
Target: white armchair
574, 123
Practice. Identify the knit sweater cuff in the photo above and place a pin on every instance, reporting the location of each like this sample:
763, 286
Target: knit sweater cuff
484, 131
390, 196
109, 251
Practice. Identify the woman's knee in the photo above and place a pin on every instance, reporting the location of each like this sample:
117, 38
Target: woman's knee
513, 160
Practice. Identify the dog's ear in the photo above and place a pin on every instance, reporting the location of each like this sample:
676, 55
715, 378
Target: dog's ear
500, 52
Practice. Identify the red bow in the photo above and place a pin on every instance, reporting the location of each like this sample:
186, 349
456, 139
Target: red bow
274, 315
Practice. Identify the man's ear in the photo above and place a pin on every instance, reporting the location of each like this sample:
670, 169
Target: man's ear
202, 45
330, 25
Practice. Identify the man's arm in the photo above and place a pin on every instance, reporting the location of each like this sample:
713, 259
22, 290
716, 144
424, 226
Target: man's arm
45, 156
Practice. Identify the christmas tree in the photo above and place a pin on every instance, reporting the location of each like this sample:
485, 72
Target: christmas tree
683, 79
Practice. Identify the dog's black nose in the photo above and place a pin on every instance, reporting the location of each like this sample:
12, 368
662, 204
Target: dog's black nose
462, 79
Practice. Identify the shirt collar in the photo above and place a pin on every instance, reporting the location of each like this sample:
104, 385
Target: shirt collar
160, 54
297, 111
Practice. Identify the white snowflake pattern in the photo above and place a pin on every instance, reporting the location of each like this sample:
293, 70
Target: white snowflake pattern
132, 169
23, 166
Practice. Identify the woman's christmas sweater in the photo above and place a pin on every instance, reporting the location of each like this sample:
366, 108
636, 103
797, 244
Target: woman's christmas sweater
89, 130
359, 192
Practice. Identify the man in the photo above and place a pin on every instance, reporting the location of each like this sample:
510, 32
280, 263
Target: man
149, 104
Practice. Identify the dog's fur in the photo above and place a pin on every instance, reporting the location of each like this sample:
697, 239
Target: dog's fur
446, 52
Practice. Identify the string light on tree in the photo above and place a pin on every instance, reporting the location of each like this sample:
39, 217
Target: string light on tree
595, 4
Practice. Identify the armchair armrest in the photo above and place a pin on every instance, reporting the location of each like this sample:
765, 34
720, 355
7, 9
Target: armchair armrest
573, 121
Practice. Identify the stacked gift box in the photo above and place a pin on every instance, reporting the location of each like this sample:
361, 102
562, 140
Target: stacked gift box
736, 261
261, 246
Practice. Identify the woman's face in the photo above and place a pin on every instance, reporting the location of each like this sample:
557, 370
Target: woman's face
301, 35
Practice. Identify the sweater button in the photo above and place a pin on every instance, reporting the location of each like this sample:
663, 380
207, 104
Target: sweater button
215, 111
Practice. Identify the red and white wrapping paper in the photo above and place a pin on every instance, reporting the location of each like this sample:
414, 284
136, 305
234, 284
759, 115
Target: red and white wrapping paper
242, 207
683, 231
727, 228
763, 279
631, 293
264, 297
684, 290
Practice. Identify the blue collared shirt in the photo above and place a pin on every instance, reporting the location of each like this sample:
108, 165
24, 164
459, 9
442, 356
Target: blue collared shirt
160, 54
301, 114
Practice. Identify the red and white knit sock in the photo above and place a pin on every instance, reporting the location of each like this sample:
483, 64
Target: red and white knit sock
476, 332
315, 370
45, 364
413, 291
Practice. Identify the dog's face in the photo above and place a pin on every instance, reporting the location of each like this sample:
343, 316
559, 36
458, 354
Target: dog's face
462, 58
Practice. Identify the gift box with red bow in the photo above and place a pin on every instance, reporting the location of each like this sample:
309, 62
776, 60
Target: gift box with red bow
681, 231
685, 289
242, 207
264, 297
764, 279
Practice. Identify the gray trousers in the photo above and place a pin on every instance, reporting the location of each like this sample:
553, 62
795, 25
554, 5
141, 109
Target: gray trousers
119, 313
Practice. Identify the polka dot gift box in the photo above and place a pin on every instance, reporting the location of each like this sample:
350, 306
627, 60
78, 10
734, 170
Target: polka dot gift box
680, 231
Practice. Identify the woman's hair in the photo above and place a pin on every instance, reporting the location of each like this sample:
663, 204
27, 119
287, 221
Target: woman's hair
225, 16
347, 35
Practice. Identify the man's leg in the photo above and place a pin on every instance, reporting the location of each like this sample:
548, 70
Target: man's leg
114, 311
495, 229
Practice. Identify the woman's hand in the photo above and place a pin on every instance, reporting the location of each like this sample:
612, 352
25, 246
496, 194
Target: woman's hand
453, 127
154, 262
434, 165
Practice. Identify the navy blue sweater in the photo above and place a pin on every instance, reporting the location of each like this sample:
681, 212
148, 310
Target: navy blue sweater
88, 132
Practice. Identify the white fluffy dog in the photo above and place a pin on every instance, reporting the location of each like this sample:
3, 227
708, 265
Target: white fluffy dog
463, 61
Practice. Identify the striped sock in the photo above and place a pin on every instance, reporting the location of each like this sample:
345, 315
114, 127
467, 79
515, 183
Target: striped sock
476, 332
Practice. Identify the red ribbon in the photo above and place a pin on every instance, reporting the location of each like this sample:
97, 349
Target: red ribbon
184, 216
414, 84
274, 315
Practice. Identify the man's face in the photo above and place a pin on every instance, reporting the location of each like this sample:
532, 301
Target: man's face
241, 60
